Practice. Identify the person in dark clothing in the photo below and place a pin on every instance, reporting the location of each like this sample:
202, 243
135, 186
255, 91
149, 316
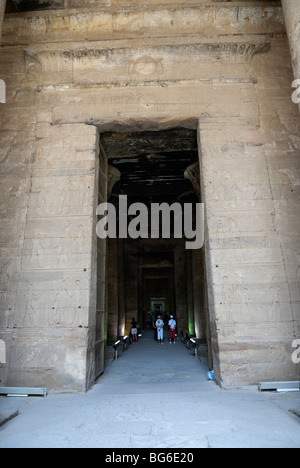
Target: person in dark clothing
134, 330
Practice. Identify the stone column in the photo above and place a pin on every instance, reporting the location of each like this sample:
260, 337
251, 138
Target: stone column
180, 287
112, 178
121, 290
130, 283
113, 291
190, 291
248, 262
192, 174
199, 311
291, 10
53, 317
2, 10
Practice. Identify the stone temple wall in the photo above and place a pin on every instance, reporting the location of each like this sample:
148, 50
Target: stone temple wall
72, 73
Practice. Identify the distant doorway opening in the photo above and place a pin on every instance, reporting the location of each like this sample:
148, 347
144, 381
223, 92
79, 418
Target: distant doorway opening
146, 277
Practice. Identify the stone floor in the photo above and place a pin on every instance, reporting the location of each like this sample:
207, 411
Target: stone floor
153, 396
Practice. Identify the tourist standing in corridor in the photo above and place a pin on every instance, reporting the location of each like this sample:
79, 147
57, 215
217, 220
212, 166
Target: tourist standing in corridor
159, 324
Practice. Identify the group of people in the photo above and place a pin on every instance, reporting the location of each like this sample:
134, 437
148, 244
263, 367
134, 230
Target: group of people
159, 325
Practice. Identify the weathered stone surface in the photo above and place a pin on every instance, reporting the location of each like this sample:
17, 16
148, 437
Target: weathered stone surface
119, 66
291, 10
53, 287
132, 21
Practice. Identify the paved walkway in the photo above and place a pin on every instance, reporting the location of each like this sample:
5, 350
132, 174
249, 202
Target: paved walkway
154, 396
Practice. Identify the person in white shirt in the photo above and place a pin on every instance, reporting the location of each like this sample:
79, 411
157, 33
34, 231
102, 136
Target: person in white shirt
172, 325
159, 324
